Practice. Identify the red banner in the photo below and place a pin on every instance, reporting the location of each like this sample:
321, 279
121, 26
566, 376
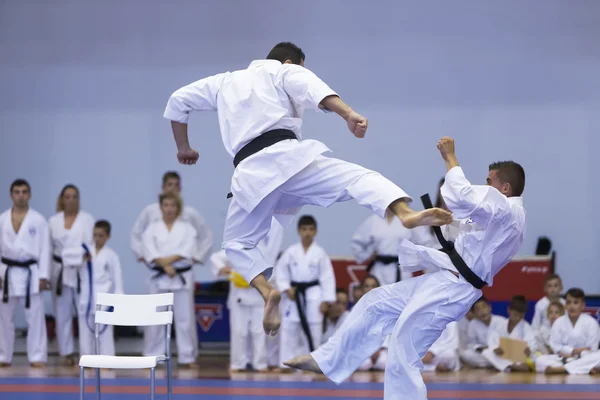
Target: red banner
523, 275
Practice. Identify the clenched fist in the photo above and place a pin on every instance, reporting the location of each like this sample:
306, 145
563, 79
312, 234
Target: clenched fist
446, 147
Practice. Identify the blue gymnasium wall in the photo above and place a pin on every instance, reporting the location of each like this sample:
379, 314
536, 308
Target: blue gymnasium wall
83, 85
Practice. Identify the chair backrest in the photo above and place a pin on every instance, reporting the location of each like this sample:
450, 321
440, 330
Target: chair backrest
134, 310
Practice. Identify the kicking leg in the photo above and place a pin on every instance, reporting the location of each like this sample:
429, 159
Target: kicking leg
363, 332
243, 231
329, 180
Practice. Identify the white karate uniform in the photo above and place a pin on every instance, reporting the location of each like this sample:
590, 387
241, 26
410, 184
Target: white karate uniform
565, 337
332, 327
279, 180
159, 242
107, 277
540, 315
295, 265
380, 362
463, 329
542, 339
445, 350
67, 245
378, 235
478, 336
246, 308
521, 331
31, 242
416, 311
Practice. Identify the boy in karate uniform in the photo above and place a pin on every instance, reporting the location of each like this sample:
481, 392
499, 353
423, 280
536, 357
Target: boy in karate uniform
107, 277
574, 339
443, 354
555, 310
517, 328
305, 275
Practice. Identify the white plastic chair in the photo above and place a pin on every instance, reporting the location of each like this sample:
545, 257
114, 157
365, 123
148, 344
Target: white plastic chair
130, 310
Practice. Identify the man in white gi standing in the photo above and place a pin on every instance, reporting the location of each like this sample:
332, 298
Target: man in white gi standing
24, 275
276, 173
416, 311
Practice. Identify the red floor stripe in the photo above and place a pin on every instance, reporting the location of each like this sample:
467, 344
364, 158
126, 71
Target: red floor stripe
434, 394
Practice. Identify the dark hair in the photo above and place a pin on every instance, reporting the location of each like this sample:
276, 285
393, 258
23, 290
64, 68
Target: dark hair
307, 220
439, 198
341, 290
59, 204
286, 51
19, 182
362, 283
576, 293
518, 304
551, 277
479, 300
510, 172
103, 224
170, 175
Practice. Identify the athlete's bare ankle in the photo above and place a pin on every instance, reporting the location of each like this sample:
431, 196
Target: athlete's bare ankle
263, 286
401, 208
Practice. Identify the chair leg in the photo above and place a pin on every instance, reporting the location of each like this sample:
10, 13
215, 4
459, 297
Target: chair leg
97, 383
169, 387
152, 377
81, 382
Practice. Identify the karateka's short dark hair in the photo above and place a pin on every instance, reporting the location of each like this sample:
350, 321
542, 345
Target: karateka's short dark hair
104, 225
510, 172
19, 182
341, 290
519, 304
479, 300
307, 220
170, 175
287, 51
575, 293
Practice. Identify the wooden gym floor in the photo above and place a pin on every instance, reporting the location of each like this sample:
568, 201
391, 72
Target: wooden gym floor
211, 380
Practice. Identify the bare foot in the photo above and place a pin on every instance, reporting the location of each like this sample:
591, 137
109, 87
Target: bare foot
4, 365
304, 363
429, 217
272, 320
595, 371
37, 365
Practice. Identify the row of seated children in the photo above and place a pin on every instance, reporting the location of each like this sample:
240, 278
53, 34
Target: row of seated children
566, 342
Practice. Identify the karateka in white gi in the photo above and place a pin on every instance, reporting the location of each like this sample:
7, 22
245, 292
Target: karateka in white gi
24, 275
276, 172
171, 182
416, 311
169, 246
70, 229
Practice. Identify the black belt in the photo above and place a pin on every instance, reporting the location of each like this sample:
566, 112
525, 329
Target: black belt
160, 272
18, 264
448, 248
301, 288
59, 283
263, 141
385, 260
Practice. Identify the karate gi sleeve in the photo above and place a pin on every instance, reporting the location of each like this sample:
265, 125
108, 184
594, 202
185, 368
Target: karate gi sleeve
362, 243
478, 202
117, 274
472, 341
593, 335
327, 280
45, 253
529, 337
556, 340
149, 250
198, 96
218, 261
137, 233
304, 87
283, 279
536, 322
204, 242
